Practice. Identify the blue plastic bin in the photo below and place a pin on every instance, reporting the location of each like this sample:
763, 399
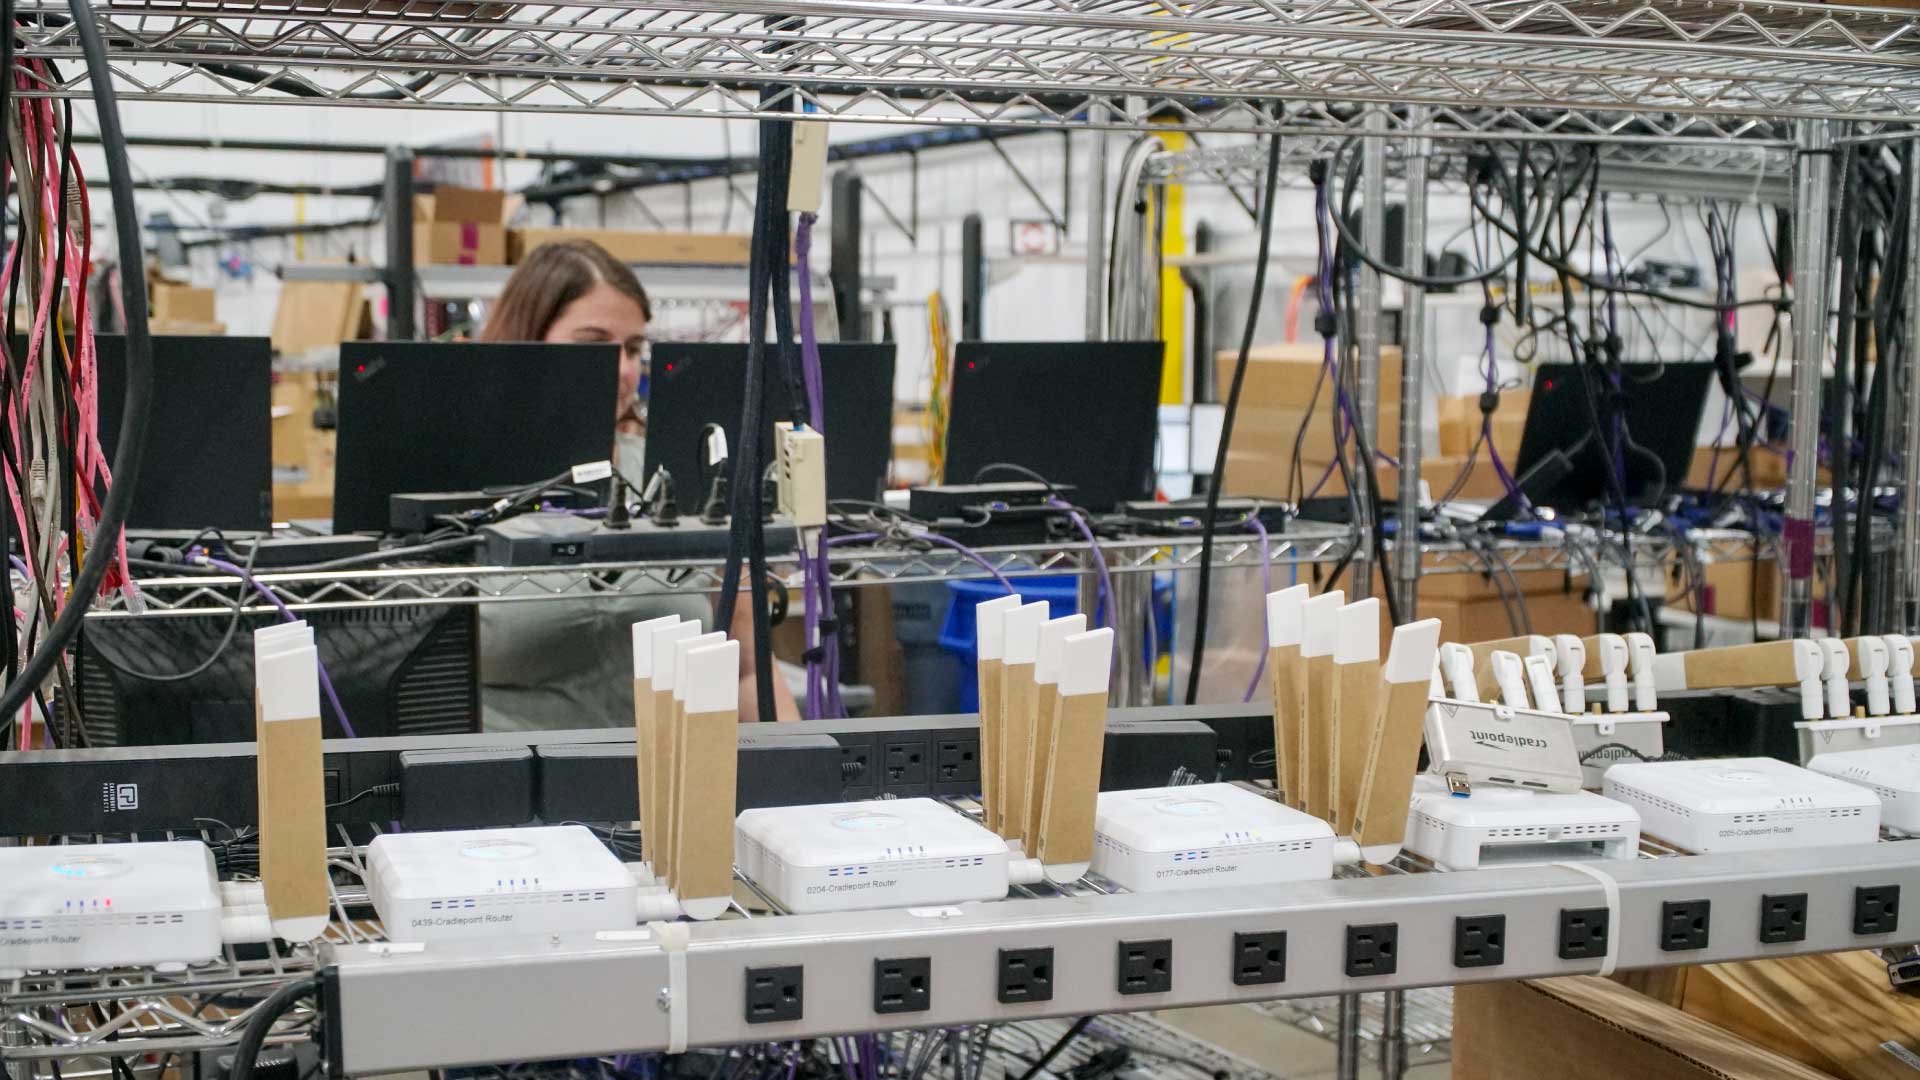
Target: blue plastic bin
957, 636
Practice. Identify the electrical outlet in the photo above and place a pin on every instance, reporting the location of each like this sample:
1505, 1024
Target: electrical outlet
1583, 933
773, 994
1025, 975
1260, 959
904, 764
1146, 967
859, 766
957, 761
1876, 909
903, 985
1373, 949
1783, 918
1684, 924
1479, 941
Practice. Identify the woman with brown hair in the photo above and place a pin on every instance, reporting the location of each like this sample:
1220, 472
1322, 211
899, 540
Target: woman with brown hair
567, 664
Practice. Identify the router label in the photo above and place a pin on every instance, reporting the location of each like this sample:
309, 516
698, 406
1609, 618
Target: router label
44, 939
1216, 868
858, 886
468, 920
1500, 740
1766, 830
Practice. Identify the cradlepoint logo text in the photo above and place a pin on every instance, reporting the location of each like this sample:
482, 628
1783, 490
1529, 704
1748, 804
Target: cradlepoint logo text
1500, 740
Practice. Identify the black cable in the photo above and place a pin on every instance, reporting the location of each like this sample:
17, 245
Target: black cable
1079, 1025
219, 650
131, 452
276, 1004
1351, 243
375, 790
1208, 526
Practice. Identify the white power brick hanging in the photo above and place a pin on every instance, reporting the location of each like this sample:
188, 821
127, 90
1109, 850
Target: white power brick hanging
802, 472
807, 179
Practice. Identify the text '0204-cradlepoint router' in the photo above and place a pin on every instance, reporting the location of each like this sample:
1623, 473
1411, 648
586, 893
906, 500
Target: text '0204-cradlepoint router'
1891, 773
1206, 836
855, 855
108, 905
1744, 804
439, 886
1497, 826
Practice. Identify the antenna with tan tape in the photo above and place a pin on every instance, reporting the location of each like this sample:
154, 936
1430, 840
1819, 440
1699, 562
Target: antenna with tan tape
1356, 704
1523, 645
1046, 678
989, 629
674, 720
644, 736
707, 686
1393, 754
291, 777
1289, 681
1020, 649
1064, 841
1767, 663
1316, 655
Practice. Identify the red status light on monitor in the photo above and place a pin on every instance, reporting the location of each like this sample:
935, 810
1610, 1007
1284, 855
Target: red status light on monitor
1549, 384
971, 364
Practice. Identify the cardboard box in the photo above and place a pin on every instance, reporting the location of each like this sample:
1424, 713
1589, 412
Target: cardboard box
704, 249
1587, 1028
319, 315
448, 203
1486, 618
186, 329
1270, 430
173, 302
459, 243
1284, 375
1459, 419
1734, 590
1835, 1012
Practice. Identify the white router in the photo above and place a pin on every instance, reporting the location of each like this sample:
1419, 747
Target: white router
1497, 826
1891, 773
1744, 804
112, 905
1206, 836
857, 855
443, 886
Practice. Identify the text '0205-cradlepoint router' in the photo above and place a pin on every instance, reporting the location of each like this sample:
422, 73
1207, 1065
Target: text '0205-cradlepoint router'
1891, 773
439, 886
856, 855
1511, 827
1744, 804
1206, 836
109, 905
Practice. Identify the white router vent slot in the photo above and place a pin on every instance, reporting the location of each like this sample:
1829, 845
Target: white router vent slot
1519, 832
1768, 816
1636, 794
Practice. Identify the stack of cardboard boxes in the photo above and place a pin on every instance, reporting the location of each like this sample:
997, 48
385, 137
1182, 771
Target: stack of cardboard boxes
175, 307
461, 227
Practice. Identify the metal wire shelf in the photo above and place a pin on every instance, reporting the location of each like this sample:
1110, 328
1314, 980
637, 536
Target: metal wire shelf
1685, 68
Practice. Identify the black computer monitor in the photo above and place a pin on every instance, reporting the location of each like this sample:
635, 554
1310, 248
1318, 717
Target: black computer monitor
1660, 404
1084, 413
209, 460
693, 384
403, 670
416, 416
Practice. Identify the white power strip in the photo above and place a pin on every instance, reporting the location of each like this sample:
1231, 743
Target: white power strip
108, 905
1206, 836
1744, 804
441, 886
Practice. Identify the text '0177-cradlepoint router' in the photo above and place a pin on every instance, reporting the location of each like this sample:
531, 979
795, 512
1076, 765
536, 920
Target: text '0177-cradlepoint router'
1744, 804
857, 855
1206, 836
439, 886
108, 905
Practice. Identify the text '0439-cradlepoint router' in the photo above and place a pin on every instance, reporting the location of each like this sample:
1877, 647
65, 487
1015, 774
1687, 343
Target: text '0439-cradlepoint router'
1744, 804
858, 855
1497, 826
1206, 836
109, 905
440, 886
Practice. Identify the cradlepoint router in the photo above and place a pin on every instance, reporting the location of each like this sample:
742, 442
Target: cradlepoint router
109, 905
1744, 804
1891, 773
1473, 743
442, 886
1206, 836
1509, 827
856, 855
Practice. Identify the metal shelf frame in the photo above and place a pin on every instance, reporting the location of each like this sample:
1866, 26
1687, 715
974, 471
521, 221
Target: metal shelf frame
1639, 71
